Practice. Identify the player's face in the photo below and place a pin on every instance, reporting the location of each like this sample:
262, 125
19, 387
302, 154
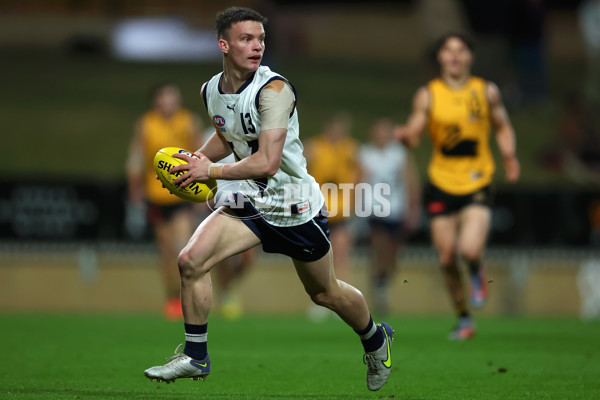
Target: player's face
382, 133
455, 58
244, 45
168, 100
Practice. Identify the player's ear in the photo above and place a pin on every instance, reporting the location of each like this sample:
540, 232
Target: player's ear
224, 46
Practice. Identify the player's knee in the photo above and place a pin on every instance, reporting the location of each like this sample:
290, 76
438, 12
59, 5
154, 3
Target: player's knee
322, 299
190, 266
447, 257
185, 263
470, 255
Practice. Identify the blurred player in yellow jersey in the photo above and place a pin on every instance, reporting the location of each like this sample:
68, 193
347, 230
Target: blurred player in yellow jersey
458, 110
332, 158
166, 124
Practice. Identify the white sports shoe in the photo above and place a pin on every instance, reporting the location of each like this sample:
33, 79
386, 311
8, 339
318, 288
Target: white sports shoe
379, 362
179, 366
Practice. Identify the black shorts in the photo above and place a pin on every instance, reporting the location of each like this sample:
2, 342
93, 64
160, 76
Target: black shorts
392, 227
306, 242
439, 202
156, 213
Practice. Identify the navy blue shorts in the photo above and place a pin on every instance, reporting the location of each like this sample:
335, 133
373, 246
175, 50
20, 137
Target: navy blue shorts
306, 242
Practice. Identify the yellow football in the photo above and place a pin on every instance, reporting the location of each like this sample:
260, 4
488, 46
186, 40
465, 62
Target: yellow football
197, 191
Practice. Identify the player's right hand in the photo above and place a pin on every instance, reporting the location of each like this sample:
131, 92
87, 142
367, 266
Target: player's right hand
195, 169
513, 169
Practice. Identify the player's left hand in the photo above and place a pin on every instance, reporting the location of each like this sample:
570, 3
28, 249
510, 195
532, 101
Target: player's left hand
196, 169
513, 169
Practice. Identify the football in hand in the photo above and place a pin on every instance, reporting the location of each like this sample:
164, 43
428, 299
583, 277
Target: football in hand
196, 191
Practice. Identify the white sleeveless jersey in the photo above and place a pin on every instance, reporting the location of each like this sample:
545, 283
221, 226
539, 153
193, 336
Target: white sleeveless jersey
290, 197
386, 166
225, 188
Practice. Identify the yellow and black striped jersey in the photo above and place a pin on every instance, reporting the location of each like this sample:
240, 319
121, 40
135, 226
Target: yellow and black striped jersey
459, 126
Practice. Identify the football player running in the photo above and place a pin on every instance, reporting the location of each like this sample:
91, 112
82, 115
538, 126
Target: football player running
458, 110
279, 206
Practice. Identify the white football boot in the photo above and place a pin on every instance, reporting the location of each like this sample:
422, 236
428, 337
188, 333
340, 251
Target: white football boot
379, 362
179, 366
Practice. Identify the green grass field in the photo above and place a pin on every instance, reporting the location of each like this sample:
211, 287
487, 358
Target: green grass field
102, 357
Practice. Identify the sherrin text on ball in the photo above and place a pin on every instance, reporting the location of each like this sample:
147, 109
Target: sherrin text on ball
197, 191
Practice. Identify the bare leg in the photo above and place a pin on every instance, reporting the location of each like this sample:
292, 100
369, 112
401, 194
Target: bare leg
475, 226
475, 223
444, 235
384, 249
324, 289
341, 242
218, 237
170, 237
346, 301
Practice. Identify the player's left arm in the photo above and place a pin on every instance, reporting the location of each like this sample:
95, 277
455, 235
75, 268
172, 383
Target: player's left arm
276, 103
505, 134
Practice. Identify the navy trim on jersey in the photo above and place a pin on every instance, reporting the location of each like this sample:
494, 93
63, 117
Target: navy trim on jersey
295, 98
305, 242
204, 96
241, 89
277, 78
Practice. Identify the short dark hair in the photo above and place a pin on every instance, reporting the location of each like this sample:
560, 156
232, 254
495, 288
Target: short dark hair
226, 18
434, 49
460, 36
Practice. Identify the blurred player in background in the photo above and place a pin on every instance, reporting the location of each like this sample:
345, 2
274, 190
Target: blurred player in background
384, 161
280, 205
229, 271
332, 157
458, 110
166, 124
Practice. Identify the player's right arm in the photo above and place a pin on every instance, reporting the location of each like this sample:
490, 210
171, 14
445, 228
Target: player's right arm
410, 134
135, 165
